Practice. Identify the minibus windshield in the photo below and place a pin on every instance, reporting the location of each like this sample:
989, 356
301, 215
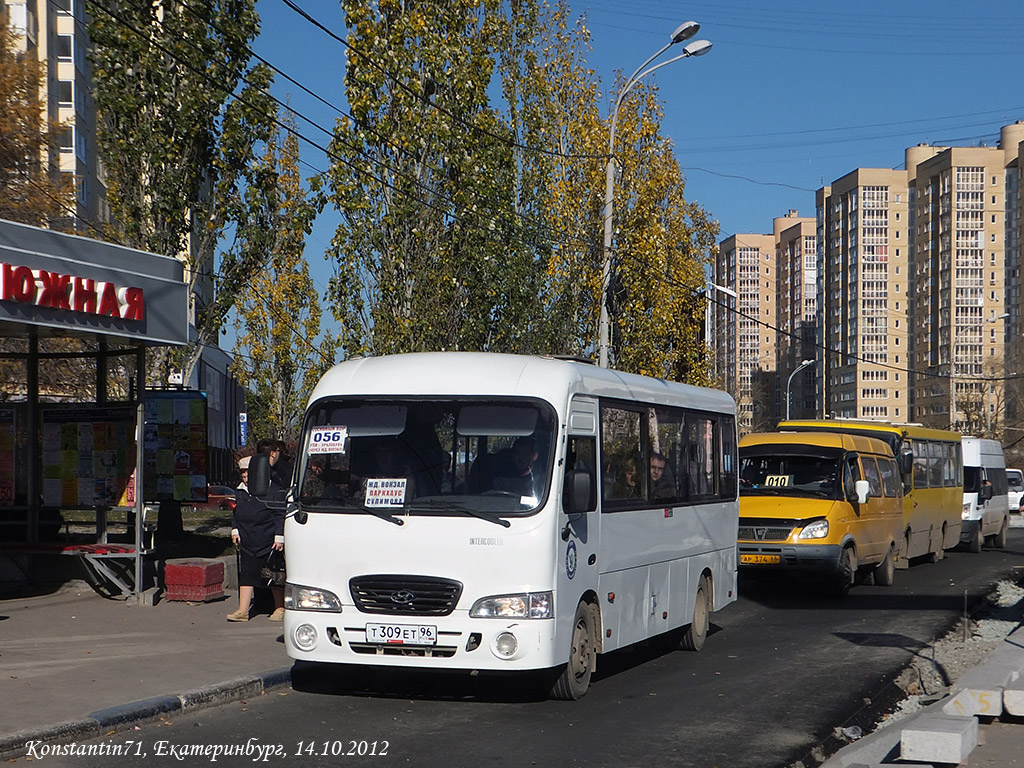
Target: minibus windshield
780, 470
486, 458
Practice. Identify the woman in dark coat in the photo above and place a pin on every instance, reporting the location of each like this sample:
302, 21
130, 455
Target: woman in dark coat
257, 530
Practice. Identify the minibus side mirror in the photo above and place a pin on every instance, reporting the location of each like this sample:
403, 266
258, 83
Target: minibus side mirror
259, 476
986, 491
861, 490
578, 493
906, 464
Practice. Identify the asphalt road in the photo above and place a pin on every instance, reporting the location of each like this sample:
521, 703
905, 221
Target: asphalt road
784, 665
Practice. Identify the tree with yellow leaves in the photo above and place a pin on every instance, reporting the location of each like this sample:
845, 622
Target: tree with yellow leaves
277, 354
467, 226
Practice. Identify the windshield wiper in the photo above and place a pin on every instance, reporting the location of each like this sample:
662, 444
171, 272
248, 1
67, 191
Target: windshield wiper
449, 506
384, 515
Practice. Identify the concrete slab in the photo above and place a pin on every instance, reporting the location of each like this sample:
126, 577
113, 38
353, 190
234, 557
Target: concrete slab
939, 739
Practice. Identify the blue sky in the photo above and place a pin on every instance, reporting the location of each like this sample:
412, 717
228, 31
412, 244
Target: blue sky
794, 94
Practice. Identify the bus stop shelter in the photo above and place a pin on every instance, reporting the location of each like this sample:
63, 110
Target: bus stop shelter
76, 318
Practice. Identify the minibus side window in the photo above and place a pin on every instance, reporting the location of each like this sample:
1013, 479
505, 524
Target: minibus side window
727, 485
920, 464
890, 477
935, 463
624, 476
972, 479
949, 475
851, 474
581, 454
997, 476
700, 457
665, 429
872, 476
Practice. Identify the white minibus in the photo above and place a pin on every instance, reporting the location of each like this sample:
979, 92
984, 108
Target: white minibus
492, 512
986, 512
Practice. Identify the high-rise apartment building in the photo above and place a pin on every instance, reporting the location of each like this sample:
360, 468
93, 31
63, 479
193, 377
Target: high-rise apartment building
966, 255
742, 325
796, 312
54, 32
864, 301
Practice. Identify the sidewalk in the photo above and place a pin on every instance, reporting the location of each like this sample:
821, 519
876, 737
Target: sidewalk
73, 662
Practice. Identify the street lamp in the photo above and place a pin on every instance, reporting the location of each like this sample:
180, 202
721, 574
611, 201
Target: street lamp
684, 31
789, 383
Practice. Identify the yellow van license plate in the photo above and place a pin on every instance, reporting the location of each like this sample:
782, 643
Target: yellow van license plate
759, 559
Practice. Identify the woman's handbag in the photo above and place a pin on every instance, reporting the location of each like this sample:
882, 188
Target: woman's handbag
273, 569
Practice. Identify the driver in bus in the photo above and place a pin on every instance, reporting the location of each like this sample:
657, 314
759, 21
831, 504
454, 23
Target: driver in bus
518, 476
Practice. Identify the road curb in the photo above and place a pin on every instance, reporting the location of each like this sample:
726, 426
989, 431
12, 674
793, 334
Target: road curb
113, 719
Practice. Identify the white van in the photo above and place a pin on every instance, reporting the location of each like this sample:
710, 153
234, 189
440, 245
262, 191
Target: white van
986, 513
1015, 486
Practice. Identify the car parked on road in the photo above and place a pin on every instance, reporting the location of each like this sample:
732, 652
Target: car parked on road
220, 497
1015, 488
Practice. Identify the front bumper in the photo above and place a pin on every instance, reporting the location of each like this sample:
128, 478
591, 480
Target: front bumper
813, 558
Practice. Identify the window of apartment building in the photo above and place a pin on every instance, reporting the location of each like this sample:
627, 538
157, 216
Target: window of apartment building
62, 6
64, 47
65, 92
66, 139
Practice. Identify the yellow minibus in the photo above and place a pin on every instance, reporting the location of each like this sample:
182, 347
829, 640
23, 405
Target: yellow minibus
829, 504
932, 468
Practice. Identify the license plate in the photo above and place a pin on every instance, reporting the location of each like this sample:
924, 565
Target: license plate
401, 634
760, 559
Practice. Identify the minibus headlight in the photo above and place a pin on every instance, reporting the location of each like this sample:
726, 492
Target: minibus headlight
966, 512
816, 530
528, 605
299, 598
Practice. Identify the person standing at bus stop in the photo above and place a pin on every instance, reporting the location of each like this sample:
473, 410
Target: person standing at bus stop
257, 531
280, 466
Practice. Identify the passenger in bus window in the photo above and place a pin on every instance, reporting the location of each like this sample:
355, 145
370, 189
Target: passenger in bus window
662, 486
319, 481
515, 472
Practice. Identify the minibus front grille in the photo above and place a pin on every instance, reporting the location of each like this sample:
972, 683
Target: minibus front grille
429, 652
765, 530
405, 595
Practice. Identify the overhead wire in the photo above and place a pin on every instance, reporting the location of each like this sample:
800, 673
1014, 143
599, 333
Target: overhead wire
754, 319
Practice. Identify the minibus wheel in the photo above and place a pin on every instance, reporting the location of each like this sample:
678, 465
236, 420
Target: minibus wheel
694, 636
999, 539
976, 541
885, 571
574, 679
845, 572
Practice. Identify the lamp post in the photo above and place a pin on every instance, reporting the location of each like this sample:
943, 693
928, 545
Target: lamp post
789, 384
684, 31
